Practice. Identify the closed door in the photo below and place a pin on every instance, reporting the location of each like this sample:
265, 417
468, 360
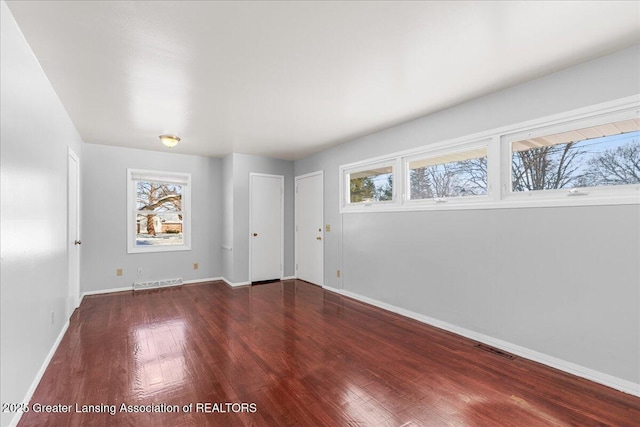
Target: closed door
309, 228
266, 226
73, 234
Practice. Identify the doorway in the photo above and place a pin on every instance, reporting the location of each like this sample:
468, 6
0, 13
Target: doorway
309, 208
73, 231
266, 227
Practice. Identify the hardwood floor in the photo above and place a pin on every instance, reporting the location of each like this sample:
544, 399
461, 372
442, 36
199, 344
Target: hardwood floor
290, 353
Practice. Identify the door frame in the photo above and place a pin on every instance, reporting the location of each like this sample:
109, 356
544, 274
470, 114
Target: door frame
296, 256
281, 178
73, 288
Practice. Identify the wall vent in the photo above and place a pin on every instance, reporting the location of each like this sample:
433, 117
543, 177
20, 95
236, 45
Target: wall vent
495, 351
153, 284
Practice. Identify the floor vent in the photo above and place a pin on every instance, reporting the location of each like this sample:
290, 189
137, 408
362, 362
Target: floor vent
495, 351
153, 284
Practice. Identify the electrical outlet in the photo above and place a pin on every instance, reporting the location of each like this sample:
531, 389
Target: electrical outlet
195, 265
53, 317
119, 272
337, 273
139, 271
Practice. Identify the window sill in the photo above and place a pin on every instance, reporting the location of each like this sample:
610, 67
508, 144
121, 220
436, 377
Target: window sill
153, 249
517, 201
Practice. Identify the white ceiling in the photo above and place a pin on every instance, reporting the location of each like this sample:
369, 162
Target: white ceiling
287, 79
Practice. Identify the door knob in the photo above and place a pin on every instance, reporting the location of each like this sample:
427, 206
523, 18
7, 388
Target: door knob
255, 234
77, 242
318, 238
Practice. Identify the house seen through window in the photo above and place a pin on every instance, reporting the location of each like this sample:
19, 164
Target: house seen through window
158, 214
603, 155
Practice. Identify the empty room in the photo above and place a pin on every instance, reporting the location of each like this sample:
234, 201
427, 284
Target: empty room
320, 213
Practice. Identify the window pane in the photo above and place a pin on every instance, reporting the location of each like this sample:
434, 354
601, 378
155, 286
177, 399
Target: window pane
591, 157
371, 185
451, 175
158, 197
159, 229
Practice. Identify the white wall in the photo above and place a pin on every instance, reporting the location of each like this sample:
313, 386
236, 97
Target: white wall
104, 240
35, 134
563, 282
227, 218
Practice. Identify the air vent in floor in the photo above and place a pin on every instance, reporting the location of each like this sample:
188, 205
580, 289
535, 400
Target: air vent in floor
139, 286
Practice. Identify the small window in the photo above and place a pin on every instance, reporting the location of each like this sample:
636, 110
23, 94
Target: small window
596, 156
158, 211
458, 174
374, 184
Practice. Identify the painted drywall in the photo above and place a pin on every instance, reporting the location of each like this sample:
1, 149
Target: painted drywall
243, 165
35, 135
564, 282
104, 201
227, 218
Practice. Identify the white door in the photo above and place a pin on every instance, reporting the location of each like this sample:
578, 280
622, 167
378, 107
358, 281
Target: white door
309, 228
73, 227
266, 226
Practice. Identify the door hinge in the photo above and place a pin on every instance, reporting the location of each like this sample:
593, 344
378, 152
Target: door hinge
296, 266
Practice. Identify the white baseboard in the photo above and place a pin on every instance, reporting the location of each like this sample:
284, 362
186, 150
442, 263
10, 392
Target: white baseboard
210, 279
105, 291
236, 284
545, 359
130, 288
27, 398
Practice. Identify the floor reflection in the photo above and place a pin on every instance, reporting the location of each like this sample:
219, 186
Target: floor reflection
159, 357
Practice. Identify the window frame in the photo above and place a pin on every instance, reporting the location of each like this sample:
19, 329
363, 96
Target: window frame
379, 205
441, 152
591, 195
184, 179
499, 185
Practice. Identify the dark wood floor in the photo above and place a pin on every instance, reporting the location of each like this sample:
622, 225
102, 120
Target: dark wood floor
303, 357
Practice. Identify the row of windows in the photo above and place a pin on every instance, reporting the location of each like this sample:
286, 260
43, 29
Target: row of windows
596, 154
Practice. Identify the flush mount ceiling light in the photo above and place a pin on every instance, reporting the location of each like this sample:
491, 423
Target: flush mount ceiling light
169, 140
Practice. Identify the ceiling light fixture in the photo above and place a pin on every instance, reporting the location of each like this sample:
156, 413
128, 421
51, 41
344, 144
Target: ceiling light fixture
169, 140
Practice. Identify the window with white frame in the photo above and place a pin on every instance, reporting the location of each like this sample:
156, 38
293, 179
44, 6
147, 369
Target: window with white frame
592, 152
461, 173
370, 183
158, 206
606, 154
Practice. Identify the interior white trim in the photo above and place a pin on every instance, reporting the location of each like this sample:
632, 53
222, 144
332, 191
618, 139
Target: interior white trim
27, 398
130, 288
210, 279
236, 284
554, 362
106, 291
